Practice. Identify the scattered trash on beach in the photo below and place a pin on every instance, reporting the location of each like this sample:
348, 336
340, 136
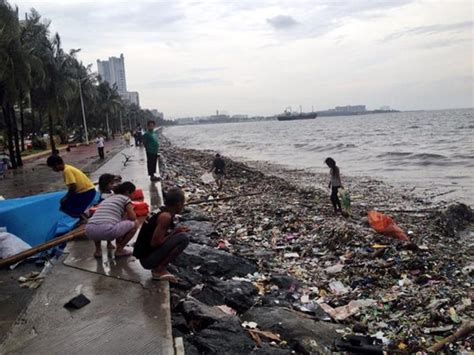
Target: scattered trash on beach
408, 293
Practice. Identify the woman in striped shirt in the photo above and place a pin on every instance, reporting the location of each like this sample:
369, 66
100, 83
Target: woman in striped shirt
114, 219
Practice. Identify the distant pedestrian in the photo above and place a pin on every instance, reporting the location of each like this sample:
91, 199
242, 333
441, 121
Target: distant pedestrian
159, 241
108, 222
334, 184
81, 191
138, 136
218, 170
127, 137
152, 146
99, 142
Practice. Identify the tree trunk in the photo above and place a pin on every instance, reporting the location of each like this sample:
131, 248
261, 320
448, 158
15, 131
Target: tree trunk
40, 125
51, 132
11, 151
107, 122
22, 123
33, 123
16, 137
64, 133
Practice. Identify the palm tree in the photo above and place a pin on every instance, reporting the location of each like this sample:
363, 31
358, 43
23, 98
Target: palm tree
109, 101
14, 75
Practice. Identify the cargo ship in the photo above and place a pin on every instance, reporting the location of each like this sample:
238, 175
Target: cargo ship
287, 115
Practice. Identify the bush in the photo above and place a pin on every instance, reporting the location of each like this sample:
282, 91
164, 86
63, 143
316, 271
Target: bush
39, 144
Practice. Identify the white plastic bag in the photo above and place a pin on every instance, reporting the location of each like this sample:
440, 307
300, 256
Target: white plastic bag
10, 245
207, 178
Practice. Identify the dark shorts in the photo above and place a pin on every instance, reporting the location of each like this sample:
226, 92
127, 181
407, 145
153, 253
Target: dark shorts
76, 204
175, 244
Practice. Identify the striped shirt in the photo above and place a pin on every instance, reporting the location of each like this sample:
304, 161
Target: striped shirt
111, 210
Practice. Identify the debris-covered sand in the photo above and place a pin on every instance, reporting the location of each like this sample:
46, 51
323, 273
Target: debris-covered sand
335, 272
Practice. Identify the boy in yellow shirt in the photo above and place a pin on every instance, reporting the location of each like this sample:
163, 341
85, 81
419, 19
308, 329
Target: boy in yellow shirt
81, 191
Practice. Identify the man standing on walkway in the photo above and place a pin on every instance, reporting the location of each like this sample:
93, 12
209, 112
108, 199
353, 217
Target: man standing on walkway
99, 141
152, 146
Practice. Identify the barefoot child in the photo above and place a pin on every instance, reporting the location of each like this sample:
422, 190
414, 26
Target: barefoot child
334, 184
159, 242
81, 191
108, 221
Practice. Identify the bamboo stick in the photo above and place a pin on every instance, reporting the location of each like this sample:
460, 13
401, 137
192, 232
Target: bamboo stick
198, 202
78, 232
465, 330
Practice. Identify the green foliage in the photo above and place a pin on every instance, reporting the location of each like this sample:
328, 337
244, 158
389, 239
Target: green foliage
36, 73
39, 144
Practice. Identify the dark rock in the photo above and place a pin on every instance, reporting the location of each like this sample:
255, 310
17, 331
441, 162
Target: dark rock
201, 232
199, 315
223, 337
179, 324
189, 348
213, 262
303, 334
240, 295
193, 214
456, 218
285, 282
267, 349
278, 300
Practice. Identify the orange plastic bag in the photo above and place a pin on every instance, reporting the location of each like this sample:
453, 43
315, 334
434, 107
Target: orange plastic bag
137, 195
386, 226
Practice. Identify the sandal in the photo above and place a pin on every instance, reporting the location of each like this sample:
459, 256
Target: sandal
123, 253
166, 277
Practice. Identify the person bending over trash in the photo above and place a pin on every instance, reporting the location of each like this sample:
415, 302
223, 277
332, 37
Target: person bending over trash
159, 241
81, 191
334, 184
108, 221
218, 170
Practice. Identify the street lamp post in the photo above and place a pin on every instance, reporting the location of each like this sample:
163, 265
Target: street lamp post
83, 113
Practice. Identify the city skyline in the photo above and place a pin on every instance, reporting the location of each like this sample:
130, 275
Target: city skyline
191, 58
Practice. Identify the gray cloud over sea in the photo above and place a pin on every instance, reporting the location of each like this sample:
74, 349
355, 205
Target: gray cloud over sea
189, 57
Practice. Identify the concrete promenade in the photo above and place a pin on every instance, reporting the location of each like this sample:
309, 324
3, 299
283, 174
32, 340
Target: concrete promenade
128, 313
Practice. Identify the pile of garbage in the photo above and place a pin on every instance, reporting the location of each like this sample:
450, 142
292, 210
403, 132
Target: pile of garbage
290, 274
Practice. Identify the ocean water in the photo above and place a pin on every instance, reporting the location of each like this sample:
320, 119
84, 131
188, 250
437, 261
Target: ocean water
433, 151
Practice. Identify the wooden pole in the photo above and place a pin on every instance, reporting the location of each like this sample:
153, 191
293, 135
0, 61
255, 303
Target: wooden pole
198, 202
78, 232
465, 330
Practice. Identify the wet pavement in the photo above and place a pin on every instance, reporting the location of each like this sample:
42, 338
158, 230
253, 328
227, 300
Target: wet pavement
128, 311
35, 177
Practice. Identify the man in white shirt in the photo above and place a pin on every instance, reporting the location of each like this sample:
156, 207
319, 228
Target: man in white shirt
99, 141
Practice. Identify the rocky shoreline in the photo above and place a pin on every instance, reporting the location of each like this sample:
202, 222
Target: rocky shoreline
272, 270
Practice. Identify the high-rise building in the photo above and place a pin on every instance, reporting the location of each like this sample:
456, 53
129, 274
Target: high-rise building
113, 72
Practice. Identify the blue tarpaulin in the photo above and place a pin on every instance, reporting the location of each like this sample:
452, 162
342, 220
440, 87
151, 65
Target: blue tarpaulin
36, 219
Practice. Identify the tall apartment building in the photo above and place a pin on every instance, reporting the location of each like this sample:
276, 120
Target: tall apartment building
113, 72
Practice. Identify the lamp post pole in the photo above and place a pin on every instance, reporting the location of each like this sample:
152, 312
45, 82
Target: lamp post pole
83, 113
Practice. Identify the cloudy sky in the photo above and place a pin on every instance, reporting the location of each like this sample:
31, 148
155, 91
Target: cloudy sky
189, 58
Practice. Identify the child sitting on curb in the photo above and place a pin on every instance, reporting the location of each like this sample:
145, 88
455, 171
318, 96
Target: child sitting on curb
108, 224
159, 242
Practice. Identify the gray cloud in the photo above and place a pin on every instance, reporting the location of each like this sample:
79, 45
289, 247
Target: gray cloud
183, 82
431, 29
282, 22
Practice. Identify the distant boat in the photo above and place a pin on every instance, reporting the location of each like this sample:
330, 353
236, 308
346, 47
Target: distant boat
290, 116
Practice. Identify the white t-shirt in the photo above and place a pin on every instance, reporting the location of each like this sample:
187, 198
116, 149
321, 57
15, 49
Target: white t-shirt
100, 142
